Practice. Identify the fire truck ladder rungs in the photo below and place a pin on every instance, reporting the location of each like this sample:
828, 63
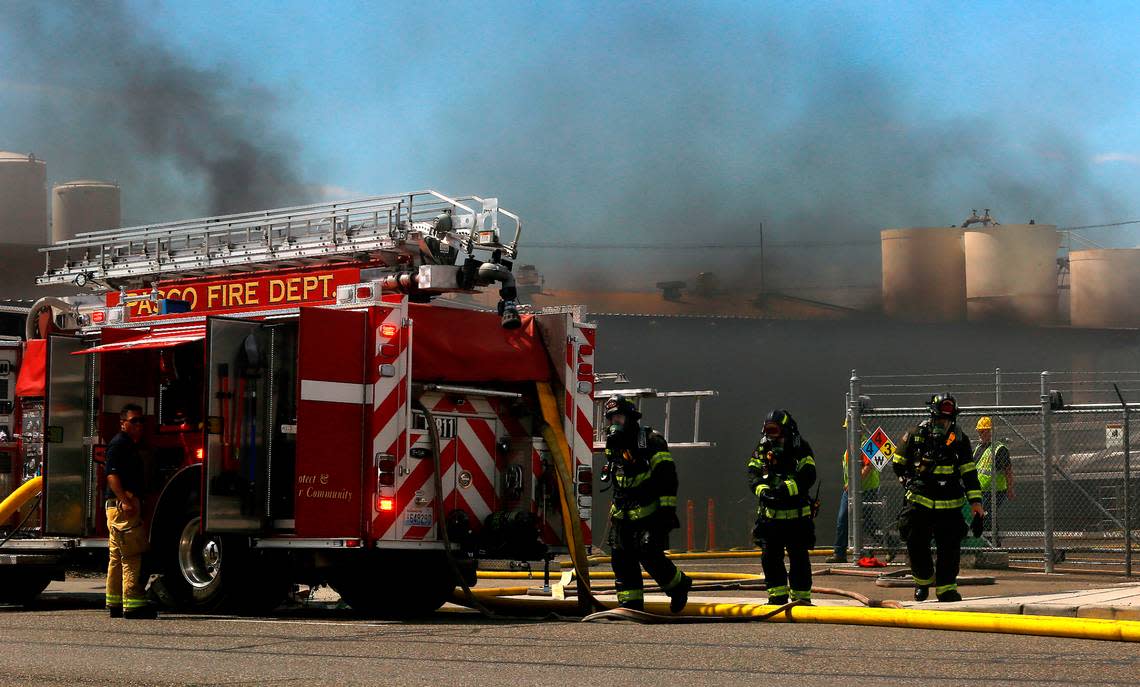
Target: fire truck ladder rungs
323, 233
639, 395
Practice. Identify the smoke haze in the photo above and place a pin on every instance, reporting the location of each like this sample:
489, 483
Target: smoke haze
625, 123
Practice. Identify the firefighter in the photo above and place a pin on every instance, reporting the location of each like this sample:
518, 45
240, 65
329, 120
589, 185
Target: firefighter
126, 529
644, 508
992, 457
780, 472
937, 469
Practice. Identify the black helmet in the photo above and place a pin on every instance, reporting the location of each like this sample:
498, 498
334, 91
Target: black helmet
620, 404
781, 420
943, 405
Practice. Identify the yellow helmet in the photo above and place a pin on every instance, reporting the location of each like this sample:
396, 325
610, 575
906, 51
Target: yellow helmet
984, 422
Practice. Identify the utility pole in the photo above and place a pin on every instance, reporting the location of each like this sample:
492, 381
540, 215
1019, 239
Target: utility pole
763, 291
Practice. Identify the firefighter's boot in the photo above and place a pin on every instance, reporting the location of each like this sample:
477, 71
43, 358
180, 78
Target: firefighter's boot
147, 612
680, 596
115, 611
950, 595
922, 593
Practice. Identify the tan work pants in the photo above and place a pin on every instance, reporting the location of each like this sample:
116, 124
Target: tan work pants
126, 545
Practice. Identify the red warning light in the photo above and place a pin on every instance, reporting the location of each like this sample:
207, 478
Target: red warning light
388, 330
98, 316
387, 504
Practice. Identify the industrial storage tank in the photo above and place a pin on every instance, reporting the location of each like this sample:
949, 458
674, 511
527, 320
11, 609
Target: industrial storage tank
924, 274
23, 199
1011, 273
1104, 283
83, 205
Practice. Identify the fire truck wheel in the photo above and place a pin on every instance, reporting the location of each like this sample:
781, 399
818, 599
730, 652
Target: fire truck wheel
208, 572
379, 591
21, 586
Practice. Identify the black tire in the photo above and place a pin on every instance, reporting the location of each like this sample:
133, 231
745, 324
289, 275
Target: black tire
21, 585
376, 588
213, 572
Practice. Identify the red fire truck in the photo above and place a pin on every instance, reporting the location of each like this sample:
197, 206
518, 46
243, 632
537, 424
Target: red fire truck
317, 411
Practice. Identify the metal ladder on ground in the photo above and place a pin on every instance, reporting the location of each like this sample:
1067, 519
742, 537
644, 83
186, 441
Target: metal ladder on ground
386, 229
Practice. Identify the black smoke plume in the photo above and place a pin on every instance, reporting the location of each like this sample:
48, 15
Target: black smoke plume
106, 100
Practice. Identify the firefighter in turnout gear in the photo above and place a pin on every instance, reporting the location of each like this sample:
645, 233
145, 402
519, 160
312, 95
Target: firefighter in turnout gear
935, 465
780, 472
644, 508
126, 528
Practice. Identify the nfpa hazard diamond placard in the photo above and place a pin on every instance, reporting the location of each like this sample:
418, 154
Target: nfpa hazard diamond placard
879, 449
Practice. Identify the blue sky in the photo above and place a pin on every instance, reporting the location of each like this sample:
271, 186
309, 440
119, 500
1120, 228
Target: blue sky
820, 119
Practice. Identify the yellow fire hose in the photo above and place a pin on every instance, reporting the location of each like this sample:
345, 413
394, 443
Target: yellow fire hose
697, 555
572, 525
601, 575
1037, 626
16, 500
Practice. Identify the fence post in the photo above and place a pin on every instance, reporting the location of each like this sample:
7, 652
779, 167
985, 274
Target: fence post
1127, 498
993, 514
1047, 471
854, 468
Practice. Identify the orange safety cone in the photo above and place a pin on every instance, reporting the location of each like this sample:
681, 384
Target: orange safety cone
689, 525
711, 535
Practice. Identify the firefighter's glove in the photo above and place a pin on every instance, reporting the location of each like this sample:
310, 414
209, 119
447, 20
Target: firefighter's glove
976, 525
768, 496
667, 518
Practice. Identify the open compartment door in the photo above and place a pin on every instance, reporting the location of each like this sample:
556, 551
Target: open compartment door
237, 373
331, 422
68, 480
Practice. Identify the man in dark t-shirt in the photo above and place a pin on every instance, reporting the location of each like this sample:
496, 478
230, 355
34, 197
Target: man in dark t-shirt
126, 529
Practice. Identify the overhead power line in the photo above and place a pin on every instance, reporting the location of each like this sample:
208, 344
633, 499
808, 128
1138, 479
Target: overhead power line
1102, 226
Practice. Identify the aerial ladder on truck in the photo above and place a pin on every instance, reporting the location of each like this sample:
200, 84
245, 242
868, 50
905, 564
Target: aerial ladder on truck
290, 332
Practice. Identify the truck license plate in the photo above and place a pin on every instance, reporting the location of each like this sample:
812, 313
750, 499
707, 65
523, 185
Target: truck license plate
418, 518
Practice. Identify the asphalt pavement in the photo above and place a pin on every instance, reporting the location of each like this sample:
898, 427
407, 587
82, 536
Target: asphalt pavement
65, 639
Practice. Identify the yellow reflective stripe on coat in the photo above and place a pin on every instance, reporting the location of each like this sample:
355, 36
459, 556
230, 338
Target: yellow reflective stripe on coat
967, 467
899, 458
633, 513
933, 503
631, 481
756, 463
660, 457
786, 513
761, 488
668, 501
944, 469
806, 460
793, 488
974, 494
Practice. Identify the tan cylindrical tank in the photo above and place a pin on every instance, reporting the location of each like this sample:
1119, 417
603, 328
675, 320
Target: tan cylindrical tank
1103, 287
924, 274
1011, 273
23, 199
83, 205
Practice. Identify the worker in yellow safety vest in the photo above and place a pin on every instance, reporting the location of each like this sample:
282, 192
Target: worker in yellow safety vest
869, 483
995, 471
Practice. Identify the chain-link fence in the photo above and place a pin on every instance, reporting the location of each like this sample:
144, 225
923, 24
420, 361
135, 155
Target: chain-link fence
1061, 495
